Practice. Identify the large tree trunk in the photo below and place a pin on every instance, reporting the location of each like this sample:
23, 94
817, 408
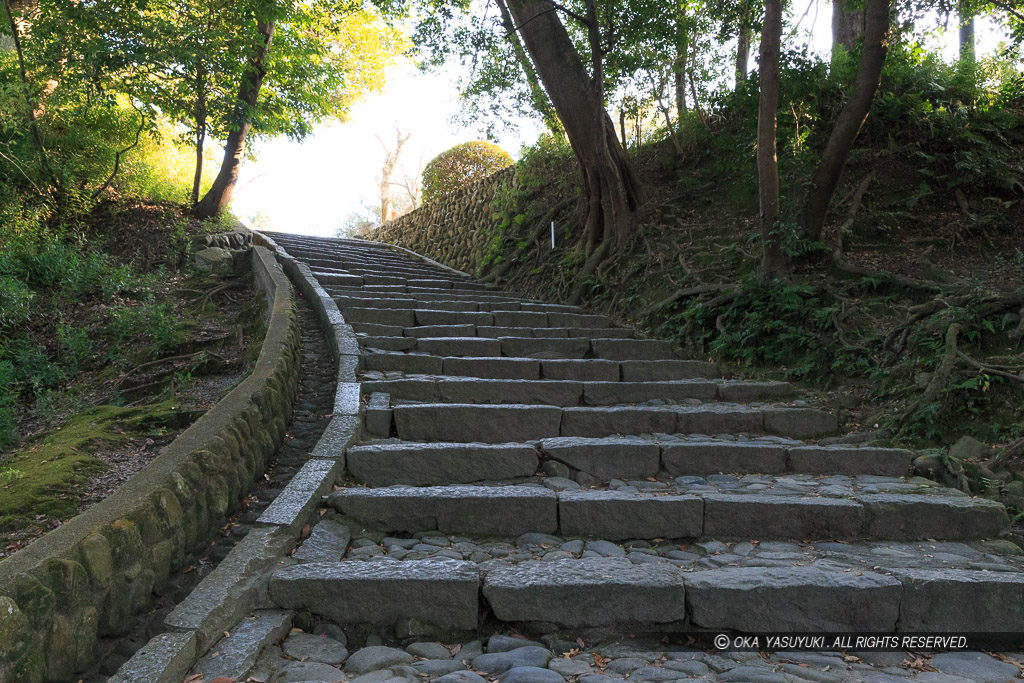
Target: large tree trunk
538, 97
848, 23
219, 195
773, 261
387, 204
611, 190
851, 118
967, 55
30, 110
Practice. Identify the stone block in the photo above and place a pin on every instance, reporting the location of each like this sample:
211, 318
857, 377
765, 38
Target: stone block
666, 370
605, 458
617, 516
327, 541
781, 517
561, 319
719, 419
493, 368
886, 462
712, 457
403, 362
482, 510
441, 331
632, 349
480, 390
588, 592
523, 347
294, 506
786, 599
377, 416
961, 601
438, 592
799, 423
401, 317
740, 391
428, 317
589, 370
166, 658
612, 393
915, 516
459, 346
429, 464
520, 319
467, 422
236, 654
595, 422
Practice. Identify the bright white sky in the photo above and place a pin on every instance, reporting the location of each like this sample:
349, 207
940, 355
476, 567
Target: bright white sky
311, 187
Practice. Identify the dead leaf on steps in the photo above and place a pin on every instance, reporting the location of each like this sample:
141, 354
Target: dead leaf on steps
304, 534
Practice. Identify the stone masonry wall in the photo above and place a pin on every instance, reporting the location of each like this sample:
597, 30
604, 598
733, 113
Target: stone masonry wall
454, 231
87, 578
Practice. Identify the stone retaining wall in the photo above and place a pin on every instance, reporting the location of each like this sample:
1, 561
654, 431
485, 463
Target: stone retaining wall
238, 586
87, 578
454, 231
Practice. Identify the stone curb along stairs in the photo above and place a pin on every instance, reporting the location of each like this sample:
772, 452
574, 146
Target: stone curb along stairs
501, 462
88, 578
239, 584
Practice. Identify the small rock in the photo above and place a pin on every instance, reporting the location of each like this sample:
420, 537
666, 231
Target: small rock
553, 468
308, 671
606, 549
530, 674
975, 666
500, 662
503, 643
429, 650
560, 484
752, 674
308, 647
569, 667
375, 657
461, 677
968, 447
331, 631
438, 667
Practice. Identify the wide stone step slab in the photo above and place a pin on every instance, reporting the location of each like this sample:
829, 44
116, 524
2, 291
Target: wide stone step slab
587, 592
443, 593
482, 510
492, 423
431, 464
787, 599
619, 515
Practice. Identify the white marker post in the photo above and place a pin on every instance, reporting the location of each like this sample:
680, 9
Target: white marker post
552, 234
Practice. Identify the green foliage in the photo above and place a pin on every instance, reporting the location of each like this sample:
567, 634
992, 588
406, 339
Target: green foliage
462, 165
787, 326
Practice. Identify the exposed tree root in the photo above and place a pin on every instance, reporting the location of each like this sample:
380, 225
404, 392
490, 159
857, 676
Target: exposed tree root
684, 293
938, 381
542, 225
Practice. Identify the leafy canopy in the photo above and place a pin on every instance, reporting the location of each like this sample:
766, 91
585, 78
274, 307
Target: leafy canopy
460, 166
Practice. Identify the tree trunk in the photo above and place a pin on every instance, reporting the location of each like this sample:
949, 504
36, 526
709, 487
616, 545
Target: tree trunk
219, 195
773, 261
387, 205
851, 118
742, 44
848, 24
679, 63
967, 55
200, 119
611, 189
541, 101
30, 111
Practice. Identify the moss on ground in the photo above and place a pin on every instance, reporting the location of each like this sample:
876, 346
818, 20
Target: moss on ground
46, 476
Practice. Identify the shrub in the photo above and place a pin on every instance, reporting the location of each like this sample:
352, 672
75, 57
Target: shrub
460, 166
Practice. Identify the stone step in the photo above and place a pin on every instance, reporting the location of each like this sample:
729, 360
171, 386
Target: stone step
609, 458
360, 296
617, 515
440, 389
493, 423
431, 464
408, 317
490, 332
440, 592
482, 347
606, 592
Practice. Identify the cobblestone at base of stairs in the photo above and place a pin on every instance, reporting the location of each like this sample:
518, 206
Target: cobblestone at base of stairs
325, 654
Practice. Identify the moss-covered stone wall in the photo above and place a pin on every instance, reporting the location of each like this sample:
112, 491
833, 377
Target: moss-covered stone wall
88, 578
455, 231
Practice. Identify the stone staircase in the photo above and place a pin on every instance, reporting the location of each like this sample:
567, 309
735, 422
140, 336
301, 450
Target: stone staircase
529, 464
